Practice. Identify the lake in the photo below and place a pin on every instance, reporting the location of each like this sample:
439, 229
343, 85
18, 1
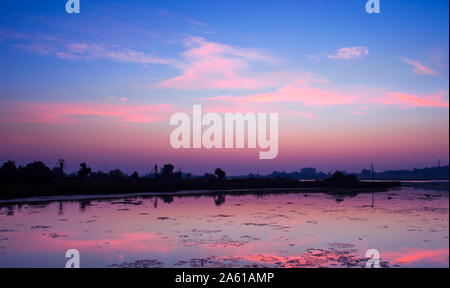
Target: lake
408, 226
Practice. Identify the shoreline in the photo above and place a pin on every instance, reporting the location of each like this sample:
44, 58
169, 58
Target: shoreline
68, 189
199, 193
243, 191
151, 194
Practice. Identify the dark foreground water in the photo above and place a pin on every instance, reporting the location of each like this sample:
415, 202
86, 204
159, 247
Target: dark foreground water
408, 227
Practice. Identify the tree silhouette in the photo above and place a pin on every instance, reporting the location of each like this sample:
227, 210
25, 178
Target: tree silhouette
99, 175
155, 168
208, 176
220, 174
36, 172
134, 176
340, 177
167, 170
85, 171
117, 174
9, 171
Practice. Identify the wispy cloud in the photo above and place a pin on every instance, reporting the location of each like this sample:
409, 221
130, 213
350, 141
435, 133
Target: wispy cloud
306, 92
419, 68
299, 91
303, 114
195, 22
210, 65
50, 45
204, 64
404, 100
5, 34
314, 57
439, 57
63, 113
356, 112
347, 53
87, 51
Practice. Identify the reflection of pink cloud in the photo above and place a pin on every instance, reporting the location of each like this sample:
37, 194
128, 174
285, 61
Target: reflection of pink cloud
419, 68
47, 112
312, 258
347, 53
219, 66
410, 255
143, 242
408, 100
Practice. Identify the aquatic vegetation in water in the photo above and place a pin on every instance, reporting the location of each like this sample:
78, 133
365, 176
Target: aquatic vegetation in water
140, 264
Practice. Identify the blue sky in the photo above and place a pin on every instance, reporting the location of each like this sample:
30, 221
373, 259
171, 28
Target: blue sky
293, 29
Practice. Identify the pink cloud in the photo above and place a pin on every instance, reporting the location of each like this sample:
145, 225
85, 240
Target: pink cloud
419, 68
410, 101
303, 114
305, 91
298, 91
357, 112
210, 65
347, 53
57, 113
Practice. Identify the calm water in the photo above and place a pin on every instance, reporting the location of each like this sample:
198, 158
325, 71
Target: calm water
408, 227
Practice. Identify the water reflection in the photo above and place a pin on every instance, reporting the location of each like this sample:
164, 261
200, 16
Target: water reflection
60, 208
408, 226
219, 199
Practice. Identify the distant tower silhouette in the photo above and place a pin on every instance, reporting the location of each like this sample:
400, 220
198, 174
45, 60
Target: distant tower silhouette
373, 193
439, 163
62, 165
372, 171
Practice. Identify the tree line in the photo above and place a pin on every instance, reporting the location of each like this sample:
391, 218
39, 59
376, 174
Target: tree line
37, 172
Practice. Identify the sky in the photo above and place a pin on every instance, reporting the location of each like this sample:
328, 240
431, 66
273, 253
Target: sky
350, 88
